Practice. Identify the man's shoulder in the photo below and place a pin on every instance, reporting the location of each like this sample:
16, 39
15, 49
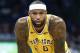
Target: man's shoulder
55, 19
22, 20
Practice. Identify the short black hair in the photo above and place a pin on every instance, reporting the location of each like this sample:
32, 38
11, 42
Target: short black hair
37, 2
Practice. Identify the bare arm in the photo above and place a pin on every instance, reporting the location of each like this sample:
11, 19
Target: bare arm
57, 29
21, 35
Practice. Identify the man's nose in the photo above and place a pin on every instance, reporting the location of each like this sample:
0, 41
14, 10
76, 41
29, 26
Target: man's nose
38, 16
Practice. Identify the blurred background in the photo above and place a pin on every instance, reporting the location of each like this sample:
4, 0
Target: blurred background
11, 10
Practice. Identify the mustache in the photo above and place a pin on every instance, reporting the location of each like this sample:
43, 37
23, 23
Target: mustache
36, 20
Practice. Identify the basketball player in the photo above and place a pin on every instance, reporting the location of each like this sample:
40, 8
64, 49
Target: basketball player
40, 32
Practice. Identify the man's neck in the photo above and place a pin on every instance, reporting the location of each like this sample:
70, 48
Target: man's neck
39, 29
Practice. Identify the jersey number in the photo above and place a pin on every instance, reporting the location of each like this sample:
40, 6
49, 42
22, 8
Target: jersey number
45, 48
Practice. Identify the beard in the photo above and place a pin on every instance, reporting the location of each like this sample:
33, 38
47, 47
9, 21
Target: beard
38, 23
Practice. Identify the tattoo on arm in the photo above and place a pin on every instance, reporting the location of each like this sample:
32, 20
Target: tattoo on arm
20, 32
58, 32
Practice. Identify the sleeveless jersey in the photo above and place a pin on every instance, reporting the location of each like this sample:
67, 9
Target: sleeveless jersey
41, 42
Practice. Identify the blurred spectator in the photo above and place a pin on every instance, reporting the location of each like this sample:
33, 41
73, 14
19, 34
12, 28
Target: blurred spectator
4, 28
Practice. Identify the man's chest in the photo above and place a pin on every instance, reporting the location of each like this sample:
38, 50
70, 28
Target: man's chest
44, 38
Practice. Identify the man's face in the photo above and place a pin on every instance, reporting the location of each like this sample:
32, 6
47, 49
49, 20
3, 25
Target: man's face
37, 16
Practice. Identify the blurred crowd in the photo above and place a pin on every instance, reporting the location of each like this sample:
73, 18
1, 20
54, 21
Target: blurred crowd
69, 10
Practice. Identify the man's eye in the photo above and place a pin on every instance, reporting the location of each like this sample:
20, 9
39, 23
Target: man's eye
34, 13
41, 13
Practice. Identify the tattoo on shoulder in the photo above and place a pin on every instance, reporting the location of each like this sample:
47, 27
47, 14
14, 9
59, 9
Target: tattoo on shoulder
22, 20
57, 26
